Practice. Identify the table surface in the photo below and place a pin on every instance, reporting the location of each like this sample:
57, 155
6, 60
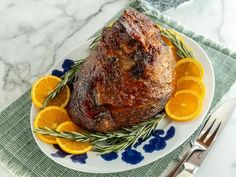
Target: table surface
34, 34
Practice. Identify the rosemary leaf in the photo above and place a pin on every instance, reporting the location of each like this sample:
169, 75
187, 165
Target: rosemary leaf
182, 50
94, 43
67, 78
111, 141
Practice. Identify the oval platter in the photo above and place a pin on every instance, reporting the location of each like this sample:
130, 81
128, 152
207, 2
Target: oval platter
167, 138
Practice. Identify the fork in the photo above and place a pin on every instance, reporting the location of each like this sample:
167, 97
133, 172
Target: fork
204, 141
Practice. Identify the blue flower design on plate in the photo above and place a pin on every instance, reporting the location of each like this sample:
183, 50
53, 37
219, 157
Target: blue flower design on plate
75, 158
158, 142
110, 156
66, 65
139, 142
132, 156
57, 73
59, 153
79, 158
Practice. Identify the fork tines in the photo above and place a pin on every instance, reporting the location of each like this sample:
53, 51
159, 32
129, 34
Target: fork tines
205, 137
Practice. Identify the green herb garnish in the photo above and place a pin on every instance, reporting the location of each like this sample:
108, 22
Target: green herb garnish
94, 43
111, 141
67, 78
182, 50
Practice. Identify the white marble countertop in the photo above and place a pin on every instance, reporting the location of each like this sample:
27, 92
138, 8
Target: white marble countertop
34, 34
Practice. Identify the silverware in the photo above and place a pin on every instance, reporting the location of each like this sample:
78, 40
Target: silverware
199, 145
206, 138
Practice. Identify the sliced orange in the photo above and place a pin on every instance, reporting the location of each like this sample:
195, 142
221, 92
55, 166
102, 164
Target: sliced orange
189, 67
44, 86
68, 146
191, 83
185, 105
50, 117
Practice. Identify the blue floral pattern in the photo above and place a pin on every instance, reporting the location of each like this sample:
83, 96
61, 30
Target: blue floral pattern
158, 142
79, 158
59, 153
66, 65
110, 156
75, 158
139, 142
132, 156
57, 73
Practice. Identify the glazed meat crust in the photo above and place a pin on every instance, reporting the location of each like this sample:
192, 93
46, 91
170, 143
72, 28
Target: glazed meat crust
128, 77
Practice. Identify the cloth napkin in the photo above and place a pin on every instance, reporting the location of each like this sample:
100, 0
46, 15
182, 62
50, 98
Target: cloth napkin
21, 155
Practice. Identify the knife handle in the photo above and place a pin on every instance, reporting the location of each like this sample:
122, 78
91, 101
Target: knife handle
184, 159
185, 173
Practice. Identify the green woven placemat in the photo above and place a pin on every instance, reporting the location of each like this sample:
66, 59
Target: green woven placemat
20, 154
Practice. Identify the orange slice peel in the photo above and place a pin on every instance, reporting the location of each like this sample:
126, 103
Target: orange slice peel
50, 117
191, 83
189, 67
44, 86
72, 147
185, 105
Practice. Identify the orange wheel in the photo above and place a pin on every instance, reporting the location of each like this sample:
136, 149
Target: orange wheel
189, 67
184, 106
191, 83
44, 86
50, 117
72, 147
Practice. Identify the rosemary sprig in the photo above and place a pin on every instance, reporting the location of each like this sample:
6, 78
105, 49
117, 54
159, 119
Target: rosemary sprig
111, 141
182, 50
67, 78
94, 43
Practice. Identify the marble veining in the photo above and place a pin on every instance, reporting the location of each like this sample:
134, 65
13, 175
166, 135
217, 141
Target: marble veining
32, 41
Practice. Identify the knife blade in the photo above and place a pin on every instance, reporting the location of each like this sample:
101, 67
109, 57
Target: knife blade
223, 112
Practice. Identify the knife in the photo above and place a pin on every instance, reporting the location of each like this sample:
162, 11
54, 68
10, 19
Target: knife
197, 155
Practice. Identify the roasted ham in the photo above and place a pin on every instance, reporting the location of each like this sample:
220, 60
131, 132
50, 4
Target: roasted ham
128, 77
